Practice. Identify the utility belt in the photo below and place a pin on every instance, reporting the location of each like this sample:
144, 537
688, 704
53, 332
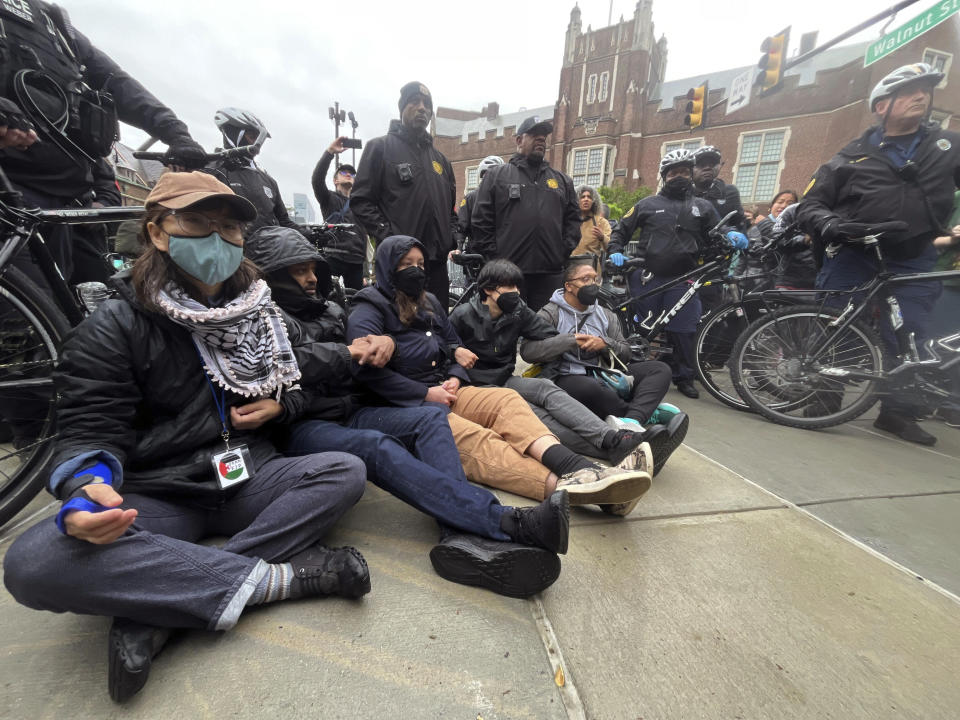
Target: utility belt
71, 115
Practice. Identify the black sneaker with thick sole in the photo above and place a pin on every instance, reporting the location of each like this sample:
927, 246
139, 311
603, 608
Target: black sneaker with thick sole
905, 428
546, 525
131, 647
505, 568
663, 444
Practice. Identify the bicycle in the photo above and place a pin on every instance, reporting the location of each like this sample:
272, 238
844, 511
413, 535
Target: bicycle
33, 324
463, 285
816, 366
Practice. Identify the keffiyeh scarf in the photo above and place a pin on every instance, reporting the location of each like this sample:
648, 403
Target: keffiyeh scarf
243, 345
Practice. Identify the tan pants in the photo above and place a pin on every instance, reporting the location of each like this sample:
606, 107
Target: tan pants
493, 427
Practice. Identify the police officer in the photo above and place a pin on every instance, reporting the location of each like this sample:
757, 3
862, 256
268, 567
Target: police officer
72, 94
405, 186
904, 168
465, 212
674, 231
527, 212
247, 179
345, 248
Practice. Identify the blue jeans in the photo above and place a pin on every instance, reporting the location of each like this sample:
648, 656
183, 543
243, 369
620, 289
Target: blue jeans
410, 453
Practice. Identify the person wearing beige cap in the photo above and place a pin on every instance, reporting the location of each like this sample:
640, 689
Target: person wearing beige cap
165, 395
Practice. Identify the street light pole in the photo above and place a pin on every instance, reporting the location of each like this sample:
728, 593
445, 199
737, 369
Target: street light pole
338, 116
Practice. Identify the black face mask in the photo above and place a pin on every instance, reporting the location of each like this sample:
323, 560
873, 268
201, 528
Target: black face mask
588, 294
410, 281
509, 301
678, 186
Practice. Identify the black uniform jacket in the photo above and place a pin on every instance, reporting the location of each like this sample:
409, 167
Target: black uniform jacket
861, 184
405, 186
528, 214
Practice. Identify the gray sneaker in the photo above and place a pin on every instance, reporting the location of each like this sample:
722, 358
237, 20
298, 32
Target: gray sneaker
604, 485
639, 459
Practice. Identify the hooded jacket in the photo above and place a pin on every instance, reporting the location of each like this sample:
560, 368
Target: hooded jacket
862, 184
673, 232
424, 349
131, 391
495, 341
405, 186
560, 354
526, 213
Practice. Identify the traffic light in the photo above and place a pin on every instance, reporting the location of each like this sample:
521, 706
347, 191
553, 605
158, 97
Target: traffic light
773, 63
696, 107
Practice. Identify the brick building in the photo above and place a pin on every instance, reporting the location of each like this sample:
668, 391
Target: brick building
134, 177
615, 116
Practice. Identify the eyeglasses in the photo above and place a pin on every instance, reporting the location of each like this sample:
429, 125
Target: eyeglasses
585, 280
197, 224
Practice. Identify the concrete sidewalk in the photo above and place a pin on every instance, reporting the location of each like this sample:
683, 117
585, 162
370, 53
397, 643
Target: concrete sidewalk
714, 600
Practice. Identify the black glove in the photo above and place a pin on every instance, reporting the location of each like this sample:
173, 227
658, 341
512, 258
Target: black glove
188, 153
890, 232
12, 117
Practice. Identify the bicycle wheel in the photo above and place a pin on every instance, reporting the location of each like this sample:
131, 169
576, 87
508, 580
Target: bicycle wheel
31, 331
714, 344
777, 373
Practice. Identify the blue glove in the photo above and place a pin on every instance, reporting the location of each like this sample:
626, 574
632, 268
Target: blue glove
618, 259
738, 240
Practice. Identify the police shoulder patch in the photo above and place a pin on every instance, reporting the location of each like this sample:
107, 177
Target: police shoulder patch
437, 168
463, 202
551, 183
630, 211
810, 186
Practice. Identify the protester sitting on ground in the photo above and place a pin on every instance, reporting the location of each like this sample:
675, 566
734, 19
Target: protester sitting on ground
164, 395
500, 441
589, 344
595, 228
492, 324
408, 451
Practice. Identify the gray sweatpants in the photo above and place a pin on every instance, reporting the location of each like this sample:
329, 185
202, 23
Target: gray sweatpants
574, 424
156, 573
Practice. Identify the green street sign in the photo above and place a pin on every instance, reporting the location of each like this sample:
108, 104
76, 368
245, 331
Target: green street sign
909, 30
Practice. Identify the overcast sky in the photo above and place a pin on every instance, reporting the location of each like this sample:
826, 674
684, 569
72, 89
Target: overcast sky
287, 60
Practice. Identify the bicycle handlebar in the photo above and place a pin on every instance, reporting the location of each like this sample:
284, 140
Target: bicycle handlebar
245, 152
466, 258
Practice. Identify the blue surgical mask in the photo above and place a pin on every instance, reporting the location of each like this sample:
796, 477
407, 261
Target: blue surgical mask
209, 259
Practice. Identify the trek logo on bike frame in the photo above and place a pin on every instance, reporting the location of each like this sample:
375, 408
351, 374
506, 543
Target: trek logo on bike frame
667, 315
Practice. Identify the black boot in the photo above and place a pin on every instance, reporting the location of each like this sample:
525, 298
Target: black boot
664, 443
329, 571
131, 649
904, 427
546, 525
503, 567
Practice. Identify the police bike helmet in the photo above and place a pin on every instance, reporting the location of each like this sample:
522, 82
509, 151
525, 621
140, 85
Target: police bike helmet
233, 123
490, 161
707, 151
676, 158
904, 76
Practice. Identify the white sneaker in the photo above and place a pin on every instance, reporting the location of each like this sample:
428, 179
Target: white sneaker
639, 459
623, 423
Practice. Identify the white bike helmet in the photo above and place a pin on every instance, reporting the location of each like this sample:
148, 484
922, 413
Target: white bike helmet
234, 122
674, 158
903, 76
488, 162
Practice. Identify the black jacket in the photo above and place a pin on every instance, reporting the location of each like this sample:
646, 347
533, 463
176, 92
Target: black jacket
673, 232
348, 245
861, 184
44, 167
258, 187
424, 354
464, 213
495, 341
130, 383
724, 198
527, 214
405, 186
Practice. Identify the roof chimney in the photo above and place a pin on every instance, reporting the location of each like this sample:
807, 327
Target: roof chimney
492, 110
